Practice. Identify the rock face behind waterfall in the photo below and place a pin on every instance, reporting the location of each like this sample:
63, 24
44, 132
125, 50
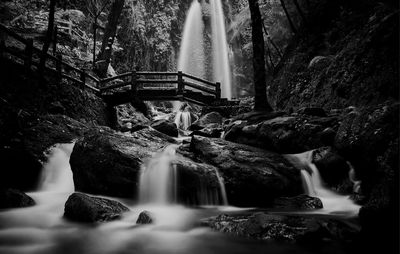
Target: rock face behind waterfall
83, 208
253, 177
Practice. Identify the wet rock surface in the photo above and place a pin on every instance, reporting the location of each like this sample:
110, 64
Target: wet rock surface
145, 217
253, 177
84, 208
282, 133
300, 202
203, 121
166, 127
12, 198
301, 229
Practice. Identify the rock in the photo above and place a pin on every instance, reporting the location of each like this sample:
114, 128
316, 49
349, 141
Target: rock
108, 163
84, 208
253, 177
166, 127
284, 228
327, 136
333, 168
129, 119
56, 108
12, 198
145, 217
282, 134
203, 121
211, 131
312, 111
301, 202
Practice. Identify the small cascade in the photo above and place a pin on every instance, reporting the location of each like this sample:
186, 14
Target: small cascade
57, 174
222, 188
158, 178
221, 67
183, 119
313, 185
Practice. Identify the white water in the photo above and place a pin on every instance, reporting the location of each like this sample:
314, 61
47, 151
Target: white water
191, 53
183, 119
333, 203
221, 67
158, 178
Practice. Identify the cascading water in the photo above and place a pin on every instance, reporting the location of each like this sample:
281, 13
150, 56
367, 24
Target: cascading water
57, 174
183, 119
333, 203
221, 67
158, 178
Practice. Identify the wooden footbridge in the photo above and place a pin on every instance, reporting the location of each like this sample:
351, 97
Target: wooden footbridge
120, 89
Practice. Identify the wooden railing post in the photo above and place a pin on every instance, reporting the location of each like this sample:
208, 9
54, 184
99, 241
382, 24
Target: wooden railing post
83, 78
218, 90
55, 40
133, 82
28, 54
181, 85
58, 66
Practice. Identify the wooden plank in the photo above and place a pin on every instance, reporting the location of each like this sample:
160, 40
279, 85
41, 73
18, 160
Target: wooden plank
119, 85
201, 88
199, 79
160, 73
156, 81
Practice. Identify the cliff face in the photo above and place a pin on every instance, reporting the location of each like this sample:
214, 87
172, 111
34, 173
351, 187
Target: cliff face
150, 34
347, 56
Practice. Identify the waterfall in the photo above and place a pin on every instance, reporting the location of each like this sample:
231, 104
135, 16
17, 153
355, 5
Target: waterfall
221, 68
158, 178
191, 54
57, 174
314, 187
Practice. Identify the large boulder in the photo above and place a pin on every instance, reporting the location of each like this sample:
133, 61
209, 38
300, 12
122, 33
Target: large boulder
12, 198
203, 121
166, 127
129, 119
108, 163
252, 176
84, 208
282, 134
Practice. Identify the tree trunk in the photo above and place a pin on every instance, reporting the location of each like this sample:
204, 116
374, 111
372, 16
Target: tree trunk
260, 97
288, 17
296, 3
49, 36
104, 57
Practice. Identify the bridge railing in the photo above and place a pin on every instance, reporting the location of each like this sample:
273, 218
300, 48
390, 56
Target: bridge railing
140, 80
30, 57
25, 52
